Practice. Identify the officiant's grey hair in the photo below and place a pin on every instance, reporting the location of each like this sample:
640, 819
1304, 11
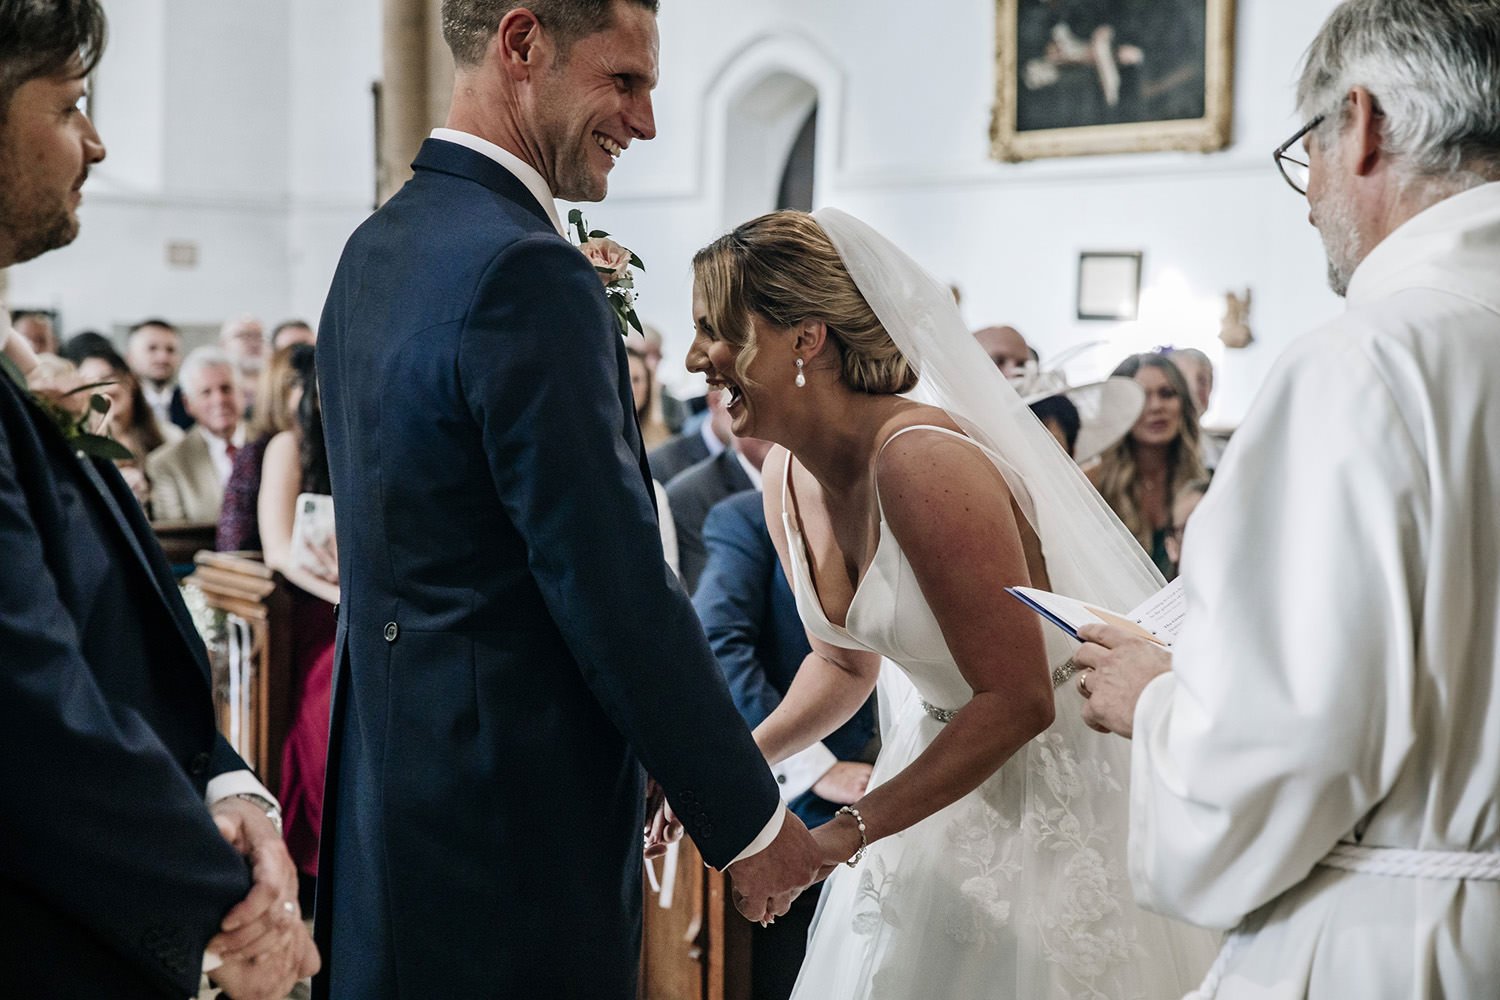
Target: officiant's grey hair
44, 38
1433, 67
468, 25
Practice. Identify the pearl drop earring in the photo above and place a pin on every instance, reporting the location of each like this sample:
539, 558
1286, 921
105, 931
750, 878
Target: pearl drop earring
801, 378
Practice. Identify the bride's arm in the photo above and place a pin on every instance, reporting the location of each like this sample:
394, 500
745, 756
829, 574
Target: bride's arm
950, 511
832, 683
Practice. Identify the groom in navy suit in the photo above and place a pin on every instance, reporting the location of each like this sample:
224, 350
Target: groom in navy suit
511, 645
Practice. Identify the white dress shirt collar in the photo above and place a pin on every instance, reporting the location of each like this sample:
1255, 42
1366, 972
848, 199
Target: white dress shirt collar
754, 474
218, 449
523, 171
710, 439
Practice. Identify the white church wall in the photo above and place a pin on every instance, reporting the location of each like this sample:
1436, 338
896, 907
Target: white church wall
905, 97
240, 134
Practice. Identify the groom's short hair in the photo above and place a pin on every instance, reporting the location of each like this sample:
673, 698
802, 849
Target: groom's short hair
468, 25
42, 38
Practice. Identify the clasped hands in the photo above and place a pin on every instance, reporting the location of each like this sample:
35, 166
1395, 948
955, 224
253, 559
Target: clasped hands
263, 943
1114, 667
764, 885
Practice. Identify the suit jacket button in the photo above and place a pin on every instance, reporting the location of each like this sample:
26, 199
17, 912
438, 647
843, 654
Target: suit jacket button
391, 631
199, 765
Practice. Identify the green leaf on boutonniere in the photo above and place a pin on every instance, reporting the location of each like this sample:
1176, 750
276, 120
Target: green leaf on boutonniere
598, 234
99, 446
635, 262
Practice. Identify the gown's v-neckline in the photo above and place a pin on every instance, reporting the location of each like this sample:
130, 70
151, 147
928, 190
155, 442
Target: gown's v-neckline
792, 517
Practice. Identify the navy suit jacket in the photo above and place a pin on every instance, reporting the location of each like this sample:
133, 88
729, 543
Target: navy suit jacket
511, 645
691, 495
750, 615
113, 876
177, 410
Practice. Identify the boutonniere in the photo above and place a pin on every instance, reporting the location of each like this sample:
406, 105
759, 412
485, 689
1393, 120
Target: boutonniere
70, 411
613, 264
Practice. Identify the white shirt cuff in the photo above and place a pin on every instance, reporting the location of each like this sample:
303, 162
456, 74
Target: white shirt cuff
802, 770
763, 840
211, 961
241, 782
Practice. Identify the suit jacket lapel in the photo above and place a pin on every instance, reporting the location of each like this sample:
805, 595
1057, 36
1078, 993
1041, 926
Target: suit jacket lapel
131, 525
134, 529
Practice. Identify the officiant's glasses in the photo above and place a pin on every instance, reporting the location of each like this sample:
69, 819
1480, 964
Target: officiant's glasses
1293, 170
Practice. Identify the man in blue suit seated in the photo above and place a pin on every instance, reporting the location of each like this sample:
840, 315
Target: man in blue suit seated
750, 617
511, 645
136, 847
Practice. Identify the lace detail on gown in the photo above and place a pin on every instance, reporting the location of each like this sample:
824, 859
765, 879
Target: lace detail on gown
1017, 890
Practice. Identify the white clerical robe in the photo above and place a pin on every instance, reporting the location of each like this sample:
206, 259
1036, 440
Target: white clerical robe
1338, 676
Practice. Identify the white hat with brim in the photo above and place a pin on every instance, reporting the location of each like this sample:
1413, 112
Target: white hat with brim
1107, 410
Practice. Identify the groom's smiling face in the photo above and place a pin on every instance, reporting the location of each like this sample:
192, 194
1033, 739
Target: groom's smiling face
593, 101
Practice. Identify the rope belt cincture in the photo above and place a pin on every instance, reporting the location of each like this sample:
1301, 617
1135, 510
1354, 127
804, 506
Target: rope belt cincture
1391, 862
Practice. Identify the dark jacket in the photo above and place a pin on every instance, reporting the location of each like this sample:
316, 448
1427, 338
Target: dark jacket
670, 459
113, 876
691, 495
511, 644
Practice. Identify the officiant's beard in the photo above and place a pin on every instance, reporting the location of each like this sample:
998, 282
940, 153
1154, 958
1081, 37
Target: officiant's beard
1338, 224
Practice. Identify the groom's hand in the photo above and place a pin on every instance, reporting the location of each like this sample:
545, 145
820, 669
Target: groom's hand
766, 883
1114, 667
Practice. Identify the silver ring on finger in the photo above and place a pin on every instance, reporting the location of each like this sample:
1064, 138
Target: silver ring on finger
1083, 685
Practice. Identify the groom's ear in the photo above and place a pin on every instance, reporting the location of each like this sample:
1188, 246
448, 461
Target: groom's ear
517, 43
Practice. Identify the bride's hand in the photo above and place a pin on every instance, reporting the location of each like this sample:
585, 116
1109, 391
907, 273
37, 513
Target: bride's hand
838, 840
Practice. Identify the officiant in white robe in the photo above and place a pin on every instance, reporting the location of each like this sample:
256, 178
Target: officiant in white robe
1319, 770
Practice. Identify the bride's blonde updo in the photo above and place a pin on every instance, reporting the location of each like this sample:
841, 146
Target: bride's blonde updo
784, 268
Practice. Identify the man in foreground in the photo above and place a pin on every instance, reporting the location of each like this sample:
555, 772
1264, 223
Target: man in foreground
1316, 764
116, 879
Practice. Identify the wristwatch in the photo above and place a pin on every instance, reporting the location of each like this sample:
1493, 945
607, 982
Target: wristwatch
271, 809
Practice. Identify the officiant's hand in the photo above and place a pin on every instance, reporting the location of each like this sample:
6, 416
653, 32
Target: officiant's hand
765, 884
1114, 667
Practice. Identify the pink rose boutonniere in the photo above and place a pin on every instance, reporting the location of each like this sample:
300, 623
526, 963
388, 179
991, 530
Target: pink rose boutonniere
613, 263
71, 407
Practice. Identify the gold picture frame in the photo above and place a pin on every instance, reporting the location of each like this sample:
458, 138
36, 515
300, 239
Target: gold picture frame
1126, 78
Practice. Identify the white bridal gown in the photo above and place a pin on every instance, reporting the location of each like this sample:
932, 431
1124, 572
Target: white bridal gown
1018, 890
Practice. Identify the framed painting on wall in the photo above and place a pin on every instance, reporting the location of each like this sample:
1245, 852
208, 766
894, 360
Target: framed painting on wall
1081, 77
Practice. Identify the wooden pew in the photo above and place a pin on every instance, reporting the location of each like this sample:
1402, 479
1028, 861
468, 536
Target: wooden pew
699, 948
252, 661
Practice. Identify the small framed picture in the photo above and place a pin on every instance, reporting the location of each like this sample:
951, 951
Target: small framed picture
1109, 285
